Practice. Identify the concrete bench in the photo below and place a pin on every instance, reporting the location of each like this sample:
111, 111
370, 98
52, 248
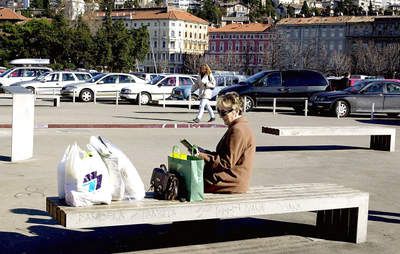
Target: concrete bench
342, 212
381, 138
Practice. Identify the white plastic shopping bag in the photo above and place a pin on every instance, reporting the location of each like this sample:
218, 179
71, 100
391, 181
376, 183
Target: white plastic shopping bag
86, 178
132, 184
117, 184
61, 173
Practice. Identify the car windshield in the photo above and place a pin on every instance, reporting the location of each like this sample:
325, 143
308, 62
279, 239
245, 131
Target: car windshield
357, 86
156, 79
41, 76
256, 77
5, 73
97, 77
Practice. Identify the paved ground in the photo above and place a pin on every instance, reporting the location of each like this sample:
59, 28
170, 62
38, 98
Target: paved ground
25, 227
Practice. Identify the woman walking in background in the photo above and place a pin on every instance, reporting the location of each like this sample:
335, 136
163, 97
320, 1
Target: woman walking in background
205, 84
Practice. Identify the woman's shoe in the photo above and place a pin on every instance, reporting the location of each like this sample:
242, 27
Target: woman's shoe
196, 120
212, 119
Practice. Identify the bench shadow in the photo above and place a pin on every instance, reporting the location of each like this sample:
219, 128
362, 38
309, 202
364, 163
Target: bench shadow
306, 148
5, 158
49, 237
394, 122
383, 216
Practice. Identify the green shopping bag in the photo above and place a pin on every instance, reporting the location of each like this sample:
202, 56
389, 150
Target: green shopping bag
191, 170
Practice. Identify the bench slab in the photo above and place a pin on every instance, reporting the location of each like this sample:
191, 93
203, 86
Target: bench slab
381, 138
348, 206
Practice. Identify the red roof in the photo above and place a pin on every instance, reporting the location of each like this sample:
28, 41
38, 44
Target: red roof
152, 14
241, 28
8, 14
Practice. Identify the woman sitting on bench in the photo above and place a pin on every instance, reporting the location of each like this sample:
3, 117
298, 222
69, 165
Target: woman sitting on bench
228, 169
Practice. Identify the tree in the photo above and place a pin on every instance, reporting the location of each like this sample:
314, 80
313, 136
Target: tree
210, 12
83, 48
305, 10
290, 11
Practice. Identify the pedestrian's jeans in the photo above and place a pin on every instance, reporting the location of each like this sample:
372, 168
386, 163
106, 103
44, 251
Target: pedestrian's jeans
205, 103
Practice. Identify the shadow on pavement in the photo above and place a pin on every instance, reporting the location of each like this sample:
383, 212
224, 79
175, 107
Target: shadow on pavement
49, 238
383, 216
5, 158
155, 119
395, 122
305, 148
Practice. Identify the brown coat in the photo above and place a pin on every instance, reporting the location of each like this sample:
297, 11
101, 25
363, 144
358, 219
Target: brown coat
228, 169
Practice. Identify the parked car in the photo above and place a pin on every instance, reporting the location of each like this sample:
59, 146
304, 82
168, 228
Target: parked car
385, 95
18, 74
52, 82
148, 77
291, 86
104, 85
183, 92
159, 87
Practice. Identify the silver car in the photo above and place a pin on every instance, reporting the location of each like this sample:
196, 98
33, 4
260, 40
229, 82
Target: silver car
102, 86
52, 82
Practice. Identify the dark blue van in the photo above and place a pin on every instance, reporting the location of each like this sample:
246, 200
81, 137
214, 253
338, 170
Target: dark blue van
290, 88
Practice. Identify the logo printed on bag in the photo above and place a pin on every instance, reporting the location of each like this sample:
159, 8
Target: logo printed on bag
92, 181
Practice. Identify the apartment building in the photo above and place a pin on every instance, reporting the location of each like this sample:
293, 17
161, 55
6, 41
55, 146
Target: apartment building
238, 47
172, 33
339, 34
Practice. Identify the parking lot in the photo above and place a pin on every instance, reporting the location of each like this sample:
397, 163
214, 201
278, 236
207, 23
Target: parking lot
26, 227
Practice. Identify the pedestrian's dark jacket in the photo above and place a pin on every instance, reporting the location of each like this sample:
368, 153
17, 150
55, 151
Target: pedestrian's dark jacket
229, 168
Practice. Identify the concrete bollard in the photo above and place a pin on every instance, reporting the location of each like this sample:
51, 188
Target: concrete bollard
372, 111
73, 95
116, 98
306, 108
274, 106
163, 97
190, 101
94, 97
140, 100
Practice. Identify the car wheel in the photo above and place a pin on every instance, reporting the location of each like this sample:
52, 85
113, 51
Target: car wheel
31, 89
342, 108
392, 114
194, 97
249, 103
145, 98
86, 95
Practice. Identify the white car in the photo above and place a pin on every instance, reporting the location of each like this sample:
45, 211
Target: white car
18, 74
159, 88
101, 85
52, 82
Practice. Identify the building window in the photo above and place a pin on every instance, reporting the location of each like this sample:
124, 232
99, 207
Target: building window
180, 33
172, 44
221, 47
163, 44
173, 34
155, 44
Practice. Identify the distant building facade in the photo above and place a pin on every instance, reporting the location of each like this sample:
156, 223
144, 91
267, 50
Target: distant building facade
172, 33
339, 34
235, 13
238, 47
